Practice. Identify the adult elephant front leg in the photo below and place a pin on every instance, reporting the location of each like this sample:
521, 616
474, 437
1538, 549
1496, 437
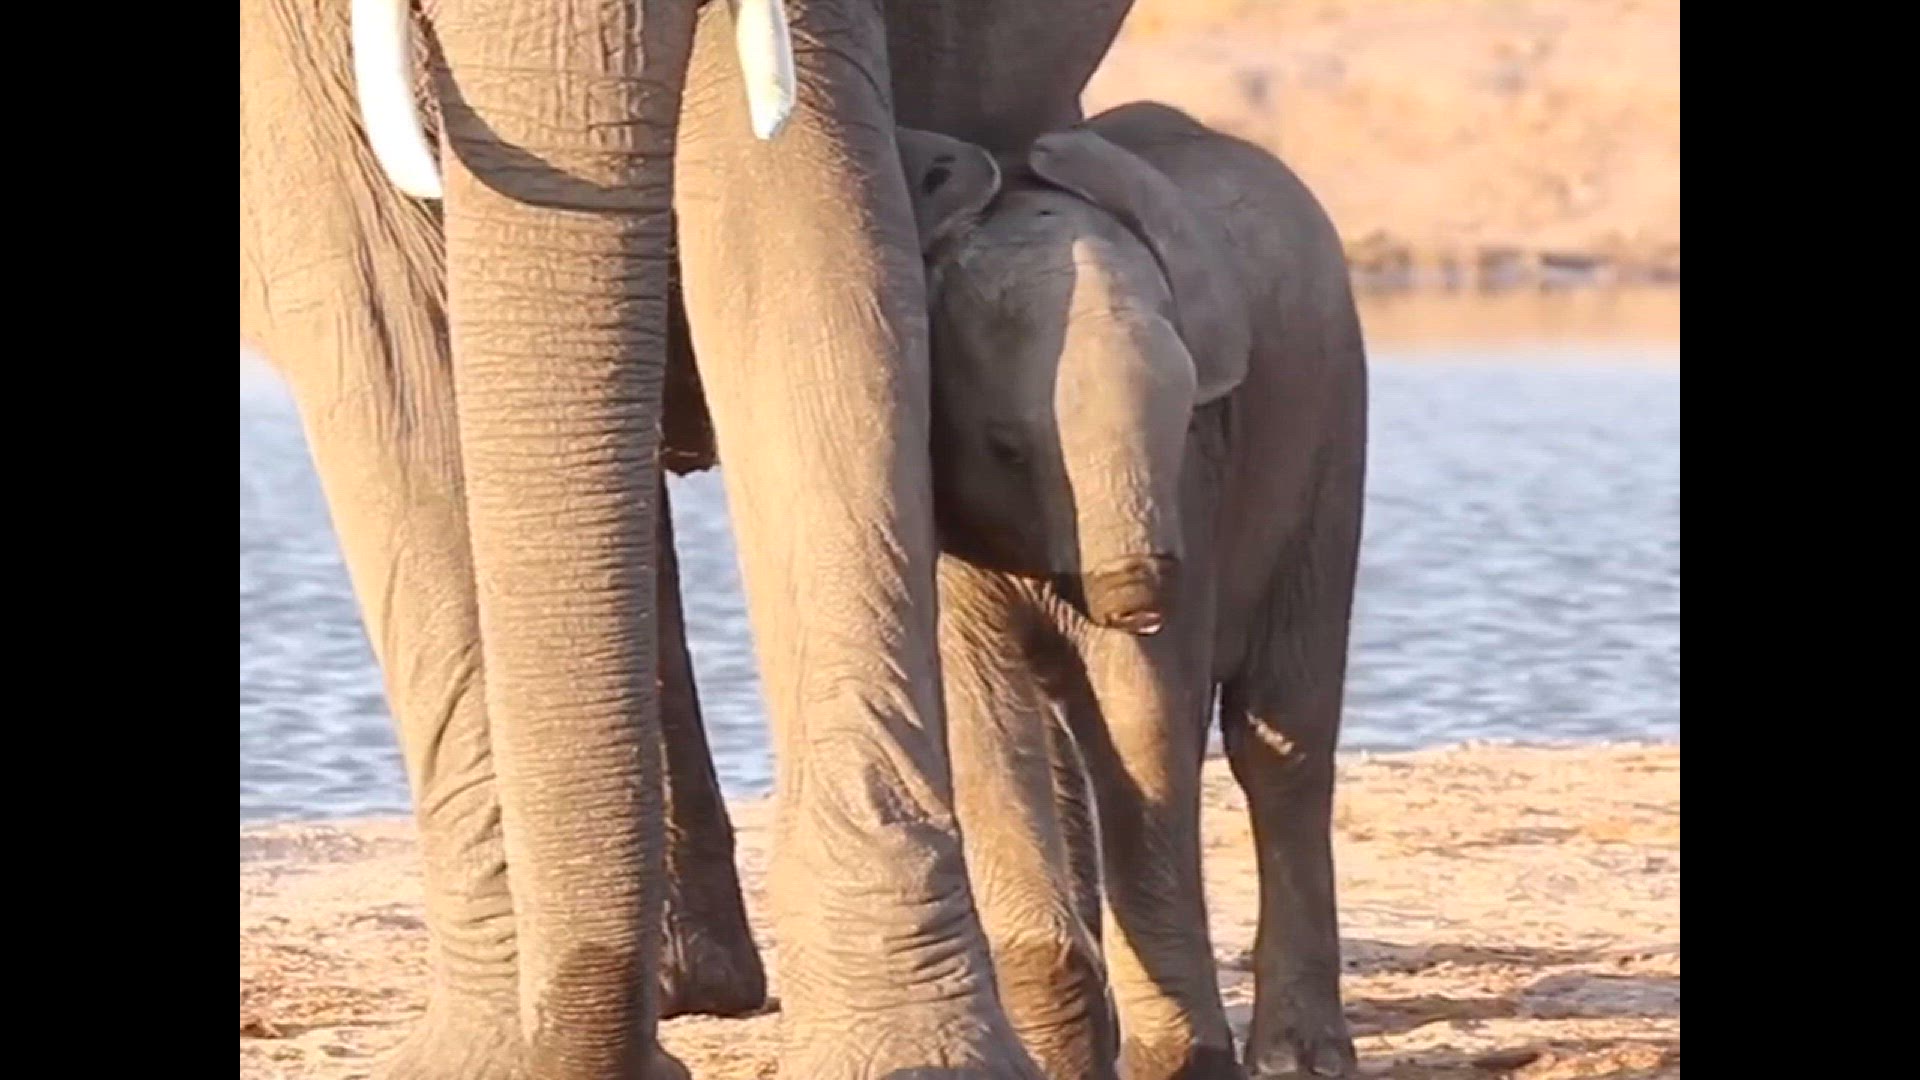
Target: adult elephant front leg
342, 284
384, 453
342, 290
804, 292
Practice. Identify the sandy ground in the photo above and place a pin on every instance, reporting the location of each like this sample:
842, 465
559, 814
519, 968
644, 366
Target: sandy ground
1506, 912
1472, 140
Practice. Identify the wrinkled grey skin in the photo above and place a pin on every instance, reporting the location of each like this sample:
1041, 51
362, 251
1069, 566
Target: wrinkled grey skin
481, 383
1149, 450
1147, 362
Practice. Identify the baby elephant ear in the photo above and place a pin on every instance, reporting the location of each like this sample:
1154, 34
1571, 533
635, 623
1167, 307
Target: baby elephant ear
1209, 301
949, 181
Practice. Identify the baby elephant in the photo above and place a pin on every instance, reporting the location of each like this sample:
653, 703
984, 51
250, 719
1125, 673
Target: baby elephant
1149, 444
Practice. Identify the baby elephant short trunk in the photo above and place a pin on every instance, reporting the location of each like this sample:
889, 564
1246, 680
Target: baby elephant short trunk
1132, 593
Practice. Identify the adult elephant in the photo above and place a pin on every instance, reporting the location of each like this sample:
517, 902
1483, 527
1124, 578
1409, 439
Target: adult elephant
480, 381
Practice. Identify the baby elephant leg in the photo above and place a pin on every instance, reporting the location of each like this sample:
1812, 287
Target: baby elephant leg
1140, 719
1046, 962
1280, 720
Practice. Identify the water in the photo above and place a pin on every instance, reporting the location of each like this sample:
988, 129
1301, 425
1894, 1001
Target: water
1520, 578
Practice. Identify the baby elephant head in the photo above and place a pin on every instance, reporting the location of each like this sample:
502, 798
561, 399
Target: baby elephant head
1080, 313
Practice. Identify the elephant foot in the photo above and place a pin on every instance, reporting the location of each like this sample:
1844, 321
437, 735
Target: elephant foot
1140, 1061
460, 1045
710, 972
666, 1067
484, 1045
1054, 990
1073, 1052
949, 1045
1300, 1040
1059, 1063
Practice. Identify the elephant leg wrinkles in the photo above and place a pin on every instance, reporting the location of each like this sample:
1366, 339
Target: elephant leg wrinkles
372, 405
1005, 760
807, 309
345, 297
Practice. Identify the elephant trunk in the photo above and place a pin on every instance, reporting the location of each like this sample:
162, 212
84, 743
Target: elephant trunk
1132, 593
1123, 396
560, 121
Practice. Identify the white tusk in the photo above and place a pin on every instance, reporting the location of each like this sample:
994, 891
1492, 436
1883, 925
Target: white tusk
383, 72
766, 62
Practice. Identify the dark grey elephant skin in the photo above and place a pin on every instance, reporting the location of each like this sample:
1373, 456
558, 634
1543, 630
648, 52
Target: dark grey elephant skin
1149, 449
1149, 457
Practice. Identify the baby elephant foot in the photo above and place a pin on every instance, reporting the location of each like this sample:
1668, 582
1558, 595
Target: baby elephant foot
457, 1046
1139, 1061
1054, 989
1300, 1041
